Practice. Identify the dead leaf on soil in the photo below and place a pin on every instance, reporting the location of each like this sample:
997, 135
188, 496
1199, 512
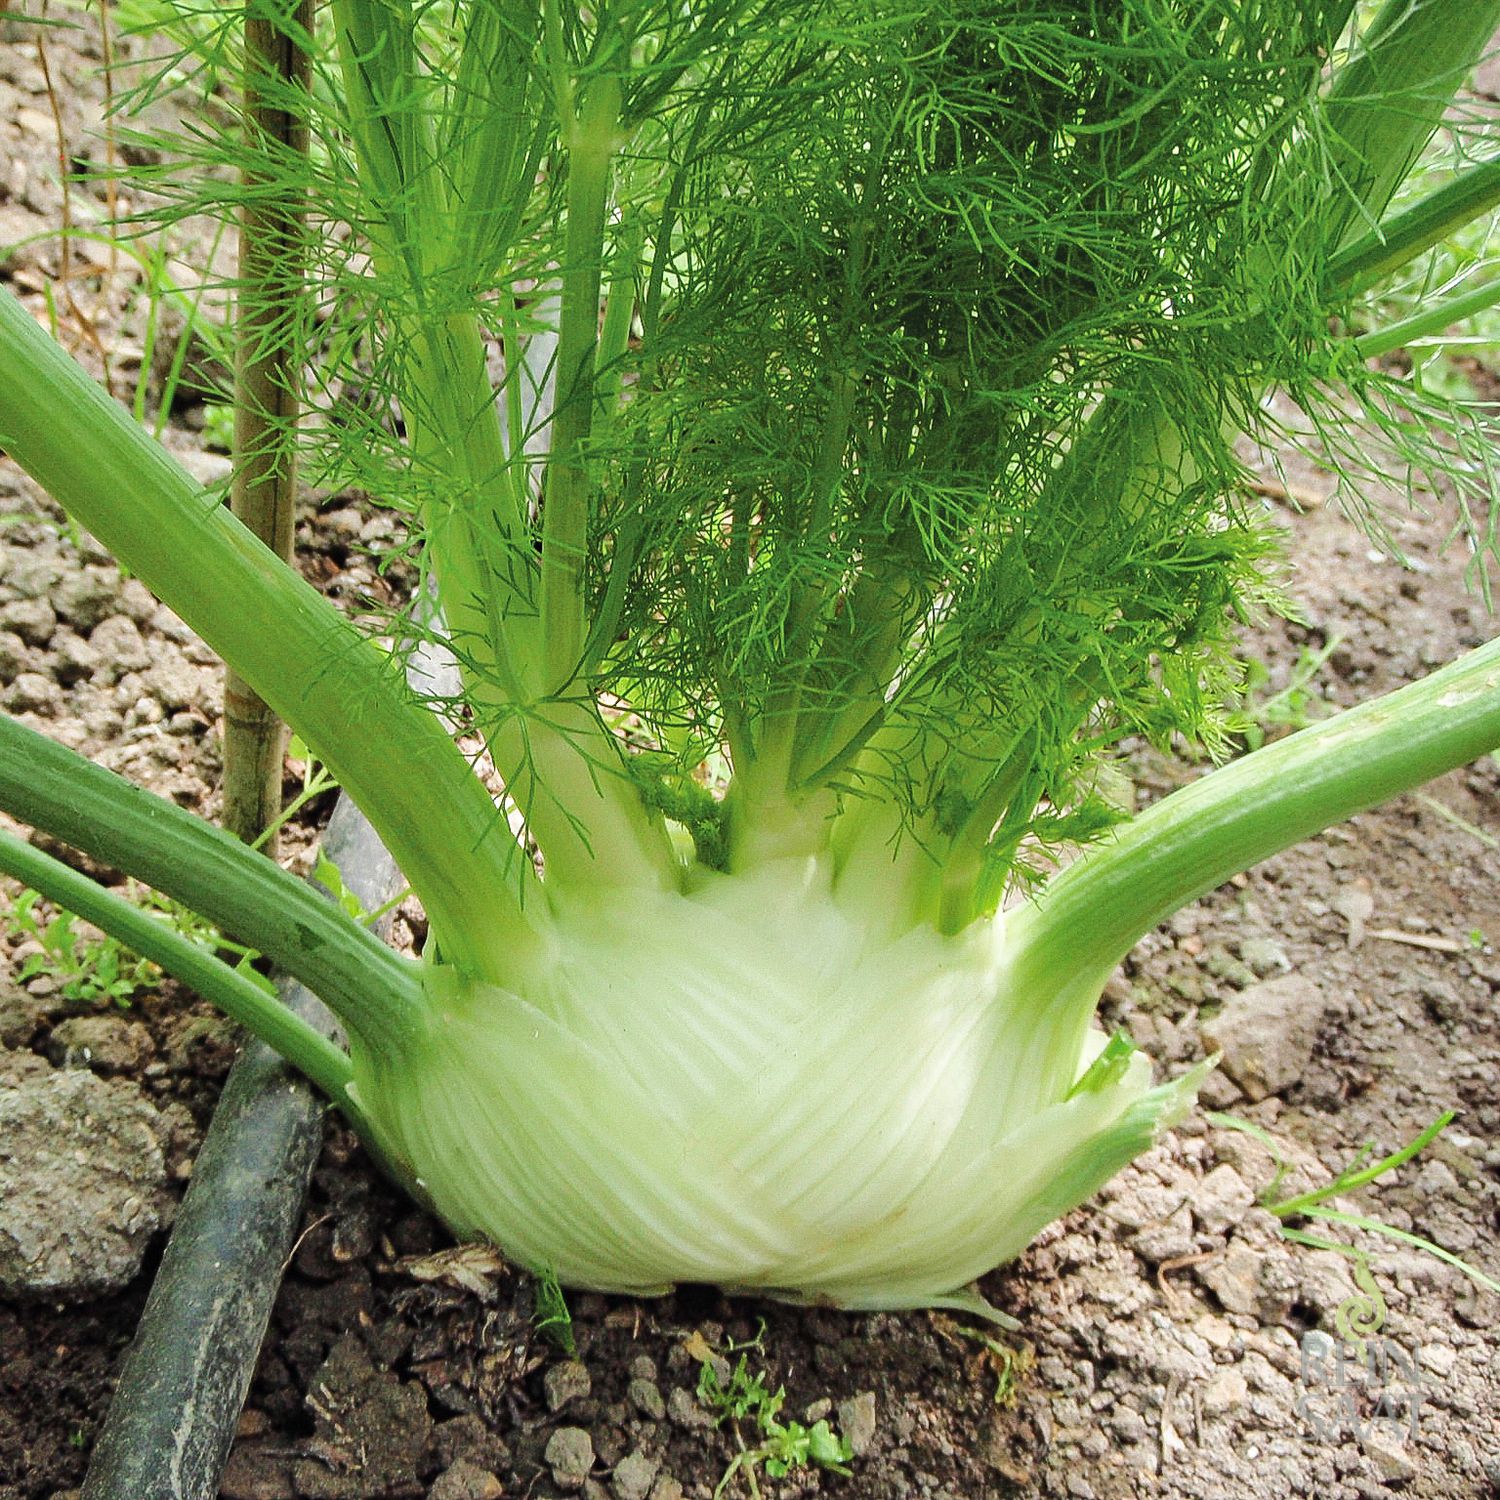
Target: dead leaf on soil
467, 1266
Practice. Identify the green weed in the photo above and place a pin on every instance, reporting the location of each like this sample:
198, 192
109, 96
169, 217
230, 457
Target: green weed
551, 1318
1296, 706
1363, 1314
86, 968
90, 967
782, 1446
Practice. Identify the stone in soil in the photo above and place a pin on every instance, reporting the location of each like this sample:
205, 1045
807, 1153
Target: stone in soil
82, 1179
1266, 1033
570, 1456
568, 1381
117, 640
857, 1422
21, 1015
466, 1481
633, 1477
107, 1044
1221, 1200
645, 1397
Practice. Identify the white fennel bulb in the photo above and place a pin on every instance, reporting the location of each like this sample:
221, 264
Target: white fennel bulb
742, 1086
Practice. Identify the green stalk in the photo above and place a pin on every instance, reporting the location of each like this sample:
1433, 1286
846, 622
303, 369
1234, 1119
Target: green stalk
565, 515
1428, 222
271, 302
1091, 914
239, 998
334, 687
559, 763
1386, 101
619, 310
373, 990
1426, 324
1352, 1181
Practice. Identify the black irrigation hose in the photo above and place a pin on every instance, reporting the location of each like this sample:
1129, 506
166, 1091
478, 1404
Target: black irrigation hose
173, 1417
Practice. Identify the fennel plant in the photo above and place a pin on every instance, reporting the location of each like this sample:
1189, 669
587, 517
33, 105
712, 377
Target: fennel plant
845, 395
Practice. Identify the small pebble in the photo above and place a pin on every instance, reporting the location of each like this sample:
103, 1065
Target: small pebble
14, 657
34, 620
466, 1481
569, 1381
857, 1421
633, 1477
1266, 956
645, 1396
33, 693
1221, 1200
570, 1456
685, 1410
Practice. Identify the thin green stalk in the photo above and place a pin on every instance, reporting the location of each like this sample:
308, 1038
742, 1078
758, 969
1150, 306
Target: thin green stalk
238, 997
1405, 235
373, 990
341, 694
1429, 322
565, 514
619, 312
271, 301
1193, 840
1379, 1226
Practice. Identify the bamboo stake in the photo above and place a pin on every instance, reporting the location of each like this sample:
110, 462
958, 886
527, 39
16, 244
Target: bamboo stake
269, 322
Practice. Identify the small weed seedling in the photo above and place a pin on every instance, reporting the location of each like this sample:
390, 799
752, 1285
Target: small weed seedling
782, 1446
1010, 1366
551, 1318
86, 968
1363, 1314
89, 968
1295, 706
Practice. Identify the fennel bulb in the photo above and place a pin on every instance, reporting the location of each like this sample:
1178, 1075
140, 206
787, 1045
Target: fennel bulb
741, 1084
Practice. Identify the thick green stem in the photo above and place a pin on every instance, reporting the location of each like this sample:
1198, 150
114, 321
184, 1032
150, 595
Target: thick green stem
1231, 819
238, 997
334, 687
1385, 103
372, 990
271, 301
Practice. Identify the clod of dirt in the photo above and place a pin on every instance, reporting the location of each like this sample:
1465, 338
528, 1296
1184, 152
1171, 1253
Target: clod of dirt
82, 1178
633, 1477
1222, 1200
89, 597
373, 1430
1266, 1033
645, 1396
857, 1422
118, 641
466, 1481
21, 1015
107, 1044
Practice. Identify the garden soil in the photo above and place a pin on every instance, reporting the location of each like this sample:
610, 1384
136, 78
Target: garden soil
1171, 1341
